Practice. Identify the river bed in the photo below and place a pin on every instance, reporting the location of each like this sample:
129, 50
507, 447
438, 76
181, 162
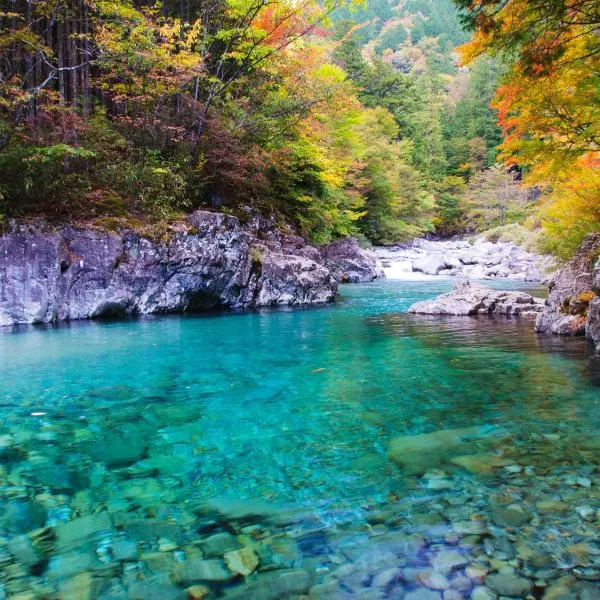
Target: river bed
350, 451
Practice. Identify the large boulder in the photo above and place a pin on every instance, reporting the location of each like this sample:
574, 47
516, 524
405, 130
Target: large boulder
349, 263
468, 299
49, 275
573, 306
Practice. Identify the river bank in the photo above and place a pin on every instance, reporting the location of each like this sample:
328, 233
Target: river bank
479, 259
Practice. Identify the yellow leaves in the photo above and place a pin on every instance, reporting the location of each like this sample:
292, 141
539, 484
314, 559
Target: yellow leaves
330, 73
474, 48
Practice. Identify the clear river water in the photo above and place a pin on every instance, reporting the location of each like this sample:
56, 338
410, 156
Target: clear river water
348, 451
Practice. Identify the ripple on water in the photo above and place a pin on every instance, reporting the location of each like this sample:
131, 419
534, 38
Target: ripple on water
351, 451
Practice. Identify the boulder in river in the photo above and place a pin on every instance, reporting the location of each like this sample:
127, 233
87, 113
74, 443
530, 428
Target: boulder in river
349, 263
573, 305
469, 299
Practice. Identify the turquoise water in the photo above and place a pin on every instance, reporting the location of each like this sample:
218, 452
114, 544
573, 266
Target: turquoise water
290, 436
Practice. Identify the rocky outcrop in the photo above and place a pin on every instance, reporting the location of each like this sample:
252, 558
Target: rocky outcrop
49, 274
349, 263
460, 258
573, 305
468, 299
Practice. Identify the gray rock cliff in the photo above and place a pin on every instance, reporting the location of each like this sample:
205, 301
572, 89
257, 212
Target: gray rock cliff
349, 263
573, 305
49, 274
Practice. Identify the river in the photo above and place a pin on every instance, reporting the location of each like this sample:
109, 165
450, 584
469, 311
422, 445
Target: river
349, 451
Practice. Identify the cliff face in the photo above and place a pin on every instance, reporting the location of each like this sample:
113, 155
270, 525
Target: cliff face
573, 305
49, 275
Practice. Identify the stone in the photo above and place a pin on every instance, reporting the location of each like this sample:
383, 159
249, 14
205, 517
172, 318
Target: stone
23, 551
479, 463
76, 532
476, 572
241, 562
430, 264
452, 595
551, 506
199, 569
418, 453
219, 544
508, 584
423, 594
80, 587
483, 593
157, 587
349, 263
64, 273
125, 550
433, 580
560, 591
573, 305
387, 577
272, 586
509, 517
468, 299
197, 592
119, 449
447, 560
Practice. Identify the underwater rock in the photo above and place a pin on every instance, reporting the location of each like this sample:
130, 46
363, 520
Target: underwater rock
417, 453
242, 562
508, 584
200, 569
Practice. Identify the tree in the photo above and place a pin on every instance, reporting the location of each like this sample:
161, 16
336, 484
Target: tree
494, 197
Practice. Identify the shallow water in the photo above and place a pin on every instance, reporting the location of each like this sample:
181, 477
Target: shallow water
126, 447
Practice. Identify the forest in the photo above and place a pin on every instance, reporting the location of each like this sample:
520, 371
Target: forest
385, 119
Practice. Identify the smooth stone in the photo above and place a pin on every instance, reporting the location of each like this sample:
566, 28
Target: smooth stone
155, 588
550, 506
125, 550
509, 517
433, 580
461, 583
118, 450
508, 584
446, 561
479, 463
242, 562
80, 587
483, 593
560, 591
78, 531
63, 566
197, 592
199, 569
23, 551
219, 544
470, 527
273, 586
452, 595
422, 594
476, 573
387, 577
418, 453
